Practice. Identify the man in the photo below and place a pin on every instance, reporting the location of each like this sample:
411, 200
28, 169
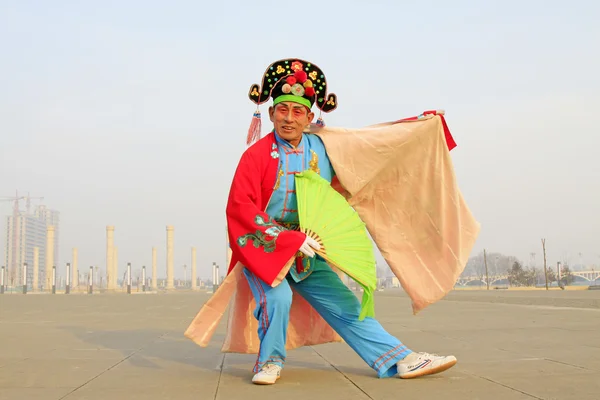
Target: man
279, 260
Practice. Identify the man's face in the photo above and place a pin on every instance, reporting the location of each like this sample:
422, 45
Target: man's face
289, 120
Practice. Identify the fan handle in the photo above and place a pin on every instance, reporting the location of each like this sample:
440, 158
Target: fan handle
313, 235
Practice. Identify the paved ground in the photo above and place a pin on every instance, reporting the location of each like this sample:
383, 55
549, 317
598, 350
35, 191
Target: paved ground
510, 345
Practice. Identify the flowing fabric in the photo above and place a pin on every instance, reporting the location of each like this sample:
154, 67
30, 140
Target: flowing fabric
400, 179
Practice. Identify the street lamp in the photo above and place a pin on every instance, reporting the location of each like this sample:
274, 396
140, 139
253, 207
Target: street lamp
68, 280
215, 276
24, 278
184, 275
91, 280
143, 278
128, 278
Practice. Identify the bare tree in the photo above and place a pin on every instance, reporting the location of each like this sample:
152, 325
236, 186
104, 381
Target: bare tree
545, 268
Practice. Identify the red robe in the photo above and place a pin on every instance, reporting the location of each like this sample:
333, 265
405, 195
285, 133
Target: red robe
263, 253
251, 190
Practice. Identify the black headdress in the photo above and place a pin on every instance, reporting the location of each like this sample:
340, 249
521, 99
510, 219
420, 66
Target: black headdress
295, 80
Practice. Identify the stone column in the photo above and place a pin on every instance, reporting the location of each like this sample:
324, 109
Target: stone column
75, 279
154, 277
110, 252
170, 262
193, 268
36, 269
115, 268
49, 257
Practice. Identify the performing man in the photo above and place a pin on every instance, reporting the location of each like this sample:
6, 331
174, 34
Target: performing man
298, 299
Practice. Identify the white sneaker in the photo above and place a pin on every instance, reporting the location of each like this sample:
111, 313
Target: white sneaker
267, 375
421, 364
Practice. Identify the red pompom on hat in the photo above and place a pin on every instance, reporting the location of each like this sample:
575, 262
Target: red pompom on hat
309, 91
291, 80
300, 76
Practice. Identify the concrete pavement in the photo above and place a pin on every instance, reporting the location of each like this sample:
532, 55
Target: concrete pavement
510, 345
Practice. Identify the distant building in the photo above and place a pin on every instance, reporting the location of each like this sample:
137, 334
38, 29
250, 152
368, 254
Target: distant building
391, 282
23, 234
51, 218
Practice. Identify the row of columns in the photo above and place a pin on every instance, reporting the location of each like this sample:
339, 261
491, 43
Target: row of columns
70, 282
112, 264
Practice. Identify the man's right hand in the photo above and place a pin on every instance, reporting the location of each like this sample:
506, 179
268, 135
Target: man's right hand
309, 246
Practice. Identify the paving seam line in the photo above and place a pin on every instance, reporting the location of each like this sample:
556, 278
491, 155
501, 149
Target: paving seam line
343, 374
506, 386
112, 366
220, 375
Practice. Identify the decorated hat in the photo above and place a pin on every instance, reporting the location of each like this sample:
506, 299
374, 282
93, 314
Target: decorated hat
293, 80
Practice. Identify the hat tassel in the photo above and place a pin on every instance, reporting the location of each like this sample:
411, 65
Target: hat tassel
320, 121
255, 128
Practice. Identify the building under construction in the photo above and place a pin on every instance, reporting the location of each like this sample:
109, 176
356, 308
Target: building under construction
26, 235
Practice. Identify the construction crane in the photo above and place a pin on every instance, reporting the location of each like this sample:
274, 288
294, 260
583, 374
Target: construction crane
15, 228
28, 201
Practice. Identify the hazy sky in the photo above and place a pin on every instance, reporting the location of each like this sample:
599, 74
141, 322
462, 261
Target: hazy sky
135, 113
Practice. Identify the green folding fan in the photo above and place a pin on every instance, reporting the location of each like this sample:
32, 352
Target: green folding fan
326, 216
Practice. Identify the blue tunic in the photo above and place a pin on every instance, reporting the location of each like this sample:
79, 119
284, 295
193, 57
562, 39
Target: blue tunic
318, 284
283, 206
